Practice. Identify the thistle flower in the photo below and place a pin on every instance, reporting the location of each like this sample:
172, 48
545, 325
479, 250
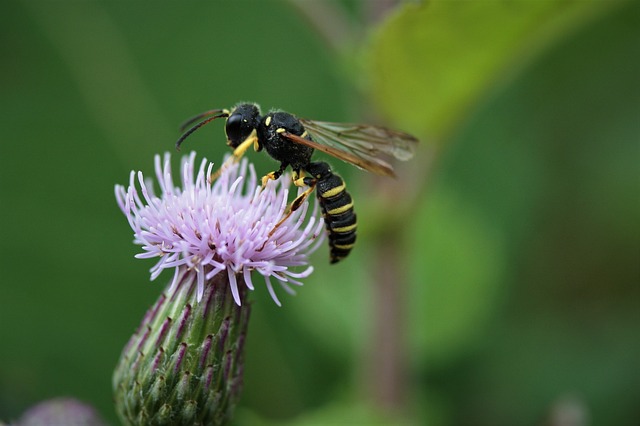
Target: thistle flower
184, 363
226, 225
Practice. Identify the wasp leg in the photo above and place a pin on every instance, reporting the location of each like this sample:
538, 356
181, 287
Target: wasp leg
275, 175
300, 199
295, 204
299, 180
238, 152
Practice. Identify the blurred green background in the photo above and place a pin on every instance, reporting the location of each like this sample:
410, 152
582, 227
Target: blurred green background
496, 282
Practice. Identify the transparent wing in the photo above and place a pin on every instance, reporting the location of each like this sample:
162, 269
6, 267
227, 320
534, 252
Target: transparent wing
363, 142
375, 165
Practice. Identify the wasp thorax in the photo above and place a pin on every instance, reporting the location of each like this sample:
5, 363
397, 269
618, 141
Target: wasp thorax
243, 120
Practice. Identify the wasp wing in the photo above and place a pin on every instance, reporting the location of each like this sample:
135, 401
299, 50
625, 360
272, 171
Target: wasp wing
363, 141
375, 165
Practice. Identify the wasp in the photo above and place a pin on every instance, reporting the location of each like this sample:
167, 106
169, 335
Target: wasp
292, 141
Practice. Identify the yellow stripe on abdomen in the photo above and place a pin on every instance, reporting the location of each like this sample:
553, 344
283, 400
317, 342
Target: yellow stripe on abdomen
339, 210
333, 191
344, 229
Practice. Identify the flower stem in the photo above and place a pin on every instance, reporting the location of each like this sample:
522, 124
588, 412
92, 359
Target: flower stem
388, 357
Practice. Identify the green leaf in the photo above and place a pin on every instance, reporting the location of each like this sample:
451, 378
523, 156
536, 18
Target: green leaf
431, 62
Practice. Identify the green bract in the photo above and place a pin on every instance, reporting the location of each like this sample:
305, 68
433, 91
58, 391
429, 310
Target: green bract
183, 366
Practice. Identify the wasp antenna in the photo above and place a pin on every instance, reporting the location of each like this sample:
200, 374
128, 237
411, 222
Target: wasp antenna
193, 119
197, 126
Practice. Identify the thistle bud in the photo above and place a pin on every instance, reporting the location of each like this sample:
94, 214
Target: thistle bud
183, 366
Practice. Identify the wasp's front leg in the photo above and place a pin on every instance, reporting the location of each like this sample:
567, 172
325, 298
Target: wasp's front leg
238, 153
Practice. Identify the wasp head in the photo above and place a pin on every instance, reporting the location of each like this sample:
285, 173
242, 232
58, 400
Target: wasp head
242, 121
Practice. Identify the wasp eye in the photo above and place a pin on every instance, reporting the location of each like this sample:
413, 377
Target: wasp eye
233, 129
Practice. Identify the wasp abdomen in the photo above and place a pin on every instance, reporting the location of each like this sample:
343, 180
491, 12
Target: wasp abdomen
337, 209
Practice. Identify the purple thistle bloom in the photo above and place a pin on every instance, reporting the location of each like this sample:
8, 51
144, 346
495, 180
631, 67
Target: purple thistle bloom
201, 228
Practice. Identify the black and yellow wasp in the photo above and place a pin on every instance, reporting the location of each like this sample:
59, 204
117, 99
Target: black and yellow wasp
291, 141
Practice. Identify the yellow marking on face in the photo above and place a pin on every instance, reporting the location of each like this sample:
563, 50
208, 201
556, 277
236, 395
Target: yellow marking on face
281, 130
344, 229
333, 191
267, 122
339, 210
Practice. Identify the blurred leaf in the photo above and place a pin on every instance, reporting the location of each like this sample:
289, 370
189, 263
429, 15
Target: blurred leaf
552, 164
430, 62
456, 273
